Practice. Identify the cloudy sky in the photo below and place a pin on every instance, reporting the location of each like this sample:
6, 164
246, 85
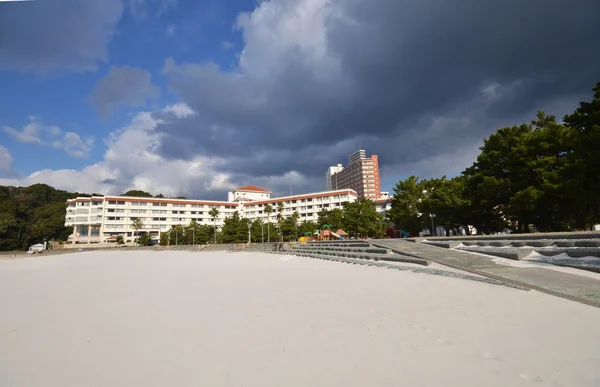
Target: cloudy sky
193, 98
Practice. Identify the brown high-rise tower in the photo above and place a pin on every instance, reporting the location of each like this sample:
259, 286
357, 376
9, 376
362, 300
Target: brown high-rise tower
361, 175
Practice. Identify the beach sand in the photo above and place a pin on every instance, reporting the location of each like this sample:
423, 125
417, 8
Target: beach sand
244, 319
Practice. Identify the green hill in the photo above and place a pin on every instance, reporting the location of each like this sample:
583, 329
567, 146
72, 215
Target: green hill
31, 215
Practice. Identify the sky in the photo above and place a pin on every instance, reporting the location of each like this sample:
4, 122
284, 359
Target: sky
195, 98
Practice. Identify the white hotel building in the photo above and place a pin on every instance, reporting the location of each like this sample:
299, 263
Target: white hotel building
102, 218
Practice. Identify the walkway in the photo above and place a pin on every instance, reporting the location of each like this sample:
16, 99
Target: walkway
571, 286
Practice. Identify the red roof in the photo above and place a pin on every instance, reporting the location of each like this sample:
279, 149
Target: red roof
251, 188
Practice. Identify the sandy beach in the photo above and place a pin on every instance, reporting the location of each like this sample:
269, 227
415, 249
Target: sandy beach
150, 319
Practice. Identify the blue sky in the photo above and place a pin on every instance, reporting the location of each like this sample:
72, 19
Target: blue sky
195, 97
192, 31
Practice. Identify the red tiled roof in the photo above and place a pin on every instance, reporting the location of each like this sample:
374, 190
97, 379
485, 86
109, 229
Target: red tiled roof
251, 188
381, 201
300, 197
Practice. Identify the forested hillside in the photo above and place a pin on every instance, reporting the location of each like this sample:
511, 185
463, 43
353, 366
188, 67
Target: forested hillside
31, 215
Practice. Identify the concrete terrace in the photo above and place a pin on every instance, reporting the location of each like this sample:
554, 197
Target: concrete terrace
570, 285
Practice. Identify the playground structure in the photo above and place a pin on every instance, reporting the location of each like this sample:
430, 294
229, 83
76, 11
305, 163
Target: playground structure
324, 235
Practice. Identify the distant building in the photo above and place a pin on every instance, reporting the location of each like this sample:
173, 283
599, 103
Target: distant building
361, 175
330, 171
384, 204
101, 219
248, 193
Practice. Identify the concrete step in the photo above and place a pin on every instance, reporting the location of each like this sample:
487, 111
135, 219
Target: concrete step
373, 250
365, 257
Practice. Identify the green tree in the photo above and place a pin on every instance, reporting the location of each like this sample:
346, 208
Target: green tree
144, 240
500, 172
31, 215
280, 217
583, 161
214, 213
334, 217
137, 193
361, 217
549, 198
190, 232
120, 240
446, 199
164, 239
268, 210
176, 235
257, 231
235, 229
305, 227
137, 225
294, 218
405, 211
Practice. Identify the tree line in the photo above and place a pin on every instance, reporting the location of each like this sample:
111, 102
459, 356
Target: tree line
36, 214
537, 176
359, 219
541, 176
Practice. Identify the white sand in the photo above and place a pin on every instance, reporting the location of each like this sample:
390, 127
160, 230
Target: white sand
223, 319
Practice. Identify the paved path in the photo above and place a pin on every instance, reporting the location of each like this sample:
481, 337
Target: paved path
571, 286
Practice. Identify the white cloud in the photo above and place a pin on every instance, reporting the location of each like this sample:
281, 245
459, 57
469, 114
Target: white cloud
132, 162
30, 133
35, 132
171, 29
74, 145
227, 45
5, 159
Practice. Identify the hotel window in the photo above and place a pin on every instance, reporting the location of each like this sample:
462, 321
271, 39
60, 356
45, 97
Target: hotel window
121, 203
112, 202
82, 211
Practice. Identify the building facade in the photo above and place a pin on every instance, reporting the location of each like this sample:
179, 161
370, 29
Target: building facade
330, 172
361, 175
100, 219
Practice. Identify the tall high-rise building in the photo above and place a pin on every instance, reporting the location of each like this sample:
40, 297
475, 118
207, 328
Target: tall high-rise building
329, 173
361, 175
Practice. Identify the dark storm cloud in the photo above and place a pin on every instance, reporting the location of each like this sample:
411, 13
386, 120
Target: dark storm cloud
409, 73
123, 86
56, 34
